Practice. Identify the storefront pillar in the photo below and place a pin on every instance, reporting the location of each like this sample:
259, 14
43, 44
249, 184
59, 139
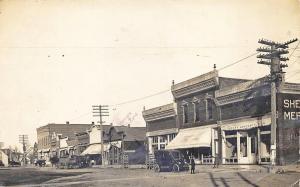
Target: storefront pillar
258, 147
222, 140
213, 154
158, 142
238, 145
248, 147
150, 148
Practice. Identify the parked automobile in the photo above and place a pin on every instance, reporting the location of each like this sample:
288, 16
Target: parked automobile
14, 164
170, 160
73, 162
41, 162
1, 164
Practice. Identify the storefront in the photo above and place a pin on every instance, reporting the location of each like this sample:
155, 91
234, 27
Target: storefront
93, 153
196, 142
246, 140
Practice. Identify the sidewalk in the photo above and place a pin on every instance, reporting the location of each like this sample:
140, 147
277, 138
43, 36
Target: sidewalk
255, 168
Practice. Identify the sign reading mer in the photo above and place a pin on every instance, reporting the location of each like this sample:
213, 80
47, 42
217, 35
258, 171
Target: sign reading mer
291, 104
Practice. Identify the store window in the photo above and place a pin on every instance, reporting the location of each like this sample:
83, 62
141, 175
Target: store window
163, 139
196, 111
172, 136
185, 113
209, 109
155, 139
253, 145
243, 146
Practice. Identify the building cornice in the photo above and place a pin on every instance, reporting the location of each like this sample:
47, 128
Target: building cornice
293, 88
195, 88
161, 112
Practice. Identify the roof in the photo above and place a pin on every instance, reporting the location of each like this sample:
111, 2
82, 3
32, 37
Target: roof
243, 86
132, 133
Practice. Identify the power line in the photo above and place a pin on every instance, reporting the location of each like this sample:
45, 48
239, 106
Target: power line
167, 90
141, 98
238, 61
294, 49
117, 47
164, 91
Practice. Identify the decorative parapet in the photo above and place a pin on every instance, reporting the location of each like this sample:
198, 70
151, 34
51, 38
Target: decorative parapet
160, 112
293, 88
242, 91
197, 84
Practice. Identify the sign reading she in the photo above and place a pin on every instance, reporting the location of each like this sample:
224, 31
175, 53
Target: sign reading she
291, 104
288, 106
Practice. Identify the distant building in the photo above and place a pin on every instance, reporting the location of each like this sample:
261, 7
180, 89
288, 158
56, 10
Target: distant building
127, 145
48, 137
93, 150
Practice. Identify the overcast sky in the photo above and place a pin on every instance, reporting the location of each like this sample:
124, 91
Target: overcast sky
58, 58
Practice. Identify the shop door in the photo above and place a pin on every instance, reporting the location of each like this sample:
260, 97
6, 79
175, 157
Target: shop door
253, 150
244, 157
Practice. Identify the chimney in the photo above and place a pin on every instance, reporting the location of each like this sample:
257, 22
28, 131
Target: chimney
67, 122
215, 66
173, 82
93, 123
128, 125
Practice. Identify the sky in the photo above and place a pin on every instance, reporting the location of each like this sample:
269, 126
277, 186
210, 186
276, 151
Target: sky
58, 58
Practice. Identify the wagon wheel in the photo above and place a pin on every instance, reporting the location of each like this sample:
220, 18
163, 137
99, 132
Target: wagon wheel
156, 168
175, 168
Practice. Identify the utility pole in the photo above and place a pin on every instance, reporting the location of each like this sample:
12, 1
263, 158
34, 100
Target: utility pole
101, 111
272, 57
23, 139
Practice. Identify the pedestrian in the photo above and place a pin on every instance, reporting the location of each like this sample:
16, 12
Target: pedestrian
192, 165
216, 163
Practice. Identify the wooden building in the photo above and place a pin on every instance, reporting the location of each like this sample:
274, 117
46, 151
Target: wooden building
127, 145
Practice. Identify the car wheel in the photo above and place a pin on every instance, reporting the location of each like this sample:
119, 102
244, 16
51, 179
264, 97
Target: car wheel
175, 168
156, 168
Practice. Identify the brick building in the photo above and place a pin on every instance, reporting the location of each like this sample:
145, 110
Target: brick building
245, 122
230, 119
161, 126
48, 137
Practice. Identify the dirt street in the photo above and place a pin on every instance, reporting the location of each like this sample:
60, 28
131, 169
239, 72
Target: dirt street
113, 177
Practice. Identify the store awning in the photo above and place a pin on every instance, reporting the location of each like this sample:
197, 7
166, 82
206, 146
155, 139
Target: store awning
94, 149
117, 144
191, 138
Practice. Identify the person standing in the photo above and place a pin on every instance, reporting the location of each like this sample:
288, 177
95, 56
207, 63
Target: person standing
192, 165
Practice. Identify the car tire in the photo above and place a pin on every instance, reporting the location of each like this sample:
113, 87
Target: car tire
175, 168
156, 168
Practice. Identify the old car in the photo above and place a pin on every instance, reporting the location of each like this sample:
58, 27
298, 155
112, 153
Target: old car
14, 163
1, 164
170, 160
73, 162
41, 162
